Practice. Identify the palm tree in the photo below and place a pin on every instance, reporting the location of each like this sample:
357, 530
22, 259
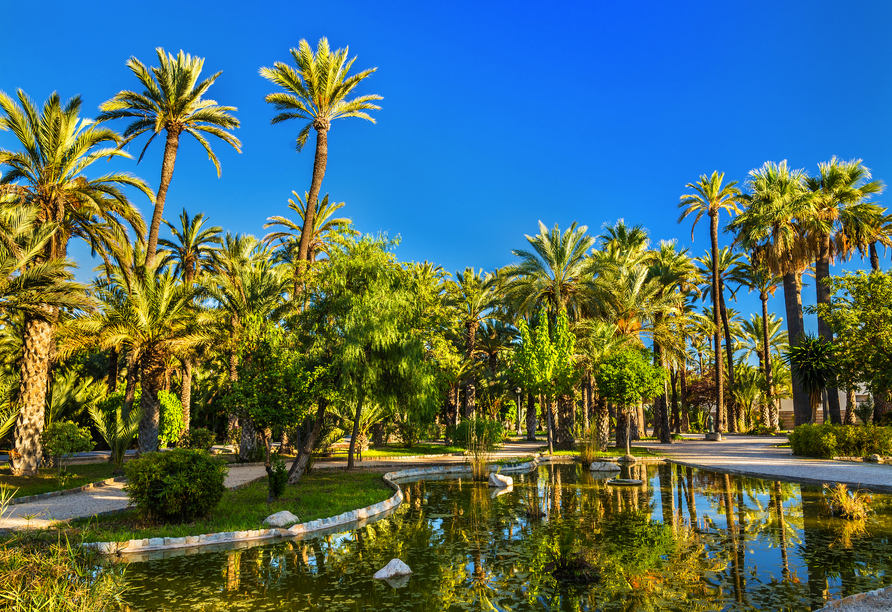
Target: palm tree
47, 173
880, 232
711, 197
812, 364
172, 102
842, 216
317, 92
770, 228
757, 333
192, 253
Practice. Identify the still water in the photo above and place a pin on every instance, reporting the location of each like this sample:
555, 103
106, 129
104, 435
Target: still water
684, 540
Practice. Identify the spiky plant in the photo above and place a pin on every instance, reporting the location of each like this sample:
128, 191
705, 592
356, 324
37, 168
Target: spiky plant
813, 364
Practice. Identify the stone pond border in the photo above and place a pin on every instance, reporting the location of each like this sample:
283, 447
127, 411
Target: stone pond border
360, 516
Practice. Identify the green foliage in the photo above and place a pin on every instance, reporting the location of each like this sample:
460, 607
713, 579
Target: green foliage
813, 364
199, 438
179, 485
487, 433
278, 478
864, 410
171, 422
851, 505
544, 362
61, 440
883, 420
827, 440
628, 377
761, 430
116, 427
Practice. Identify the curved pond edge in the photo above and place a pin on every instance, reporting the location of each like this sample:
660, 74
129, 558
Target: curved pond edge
90, 485
150, 548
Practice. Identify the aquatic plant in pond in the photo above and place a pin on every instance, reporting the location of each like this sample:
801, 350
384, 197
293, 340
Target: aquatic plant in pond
684, 540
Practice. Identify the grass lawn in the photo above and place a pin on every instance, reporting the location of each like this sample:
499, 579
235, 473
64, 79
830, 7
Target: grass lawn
610, 452
418, 449
320, 494
46, 481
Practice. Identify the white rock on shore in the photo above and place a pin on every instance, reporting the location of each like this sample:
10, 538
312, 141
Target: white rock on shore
393, 569
280, 519
604, 466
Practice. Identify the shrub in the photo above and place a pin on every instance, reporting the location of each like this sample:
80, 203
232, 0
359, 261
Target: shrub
884, 420
473, 432
61, 440
198, 438
179, 485
864, 410
171, 424
278, 478
827, 440
852, 505
761, 430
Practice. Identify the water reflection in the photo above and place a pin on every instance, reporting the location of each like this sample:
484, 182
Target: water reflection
682, 540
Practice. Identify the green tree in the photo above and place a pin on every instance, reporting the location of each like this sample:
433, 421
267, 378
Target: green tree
172, 102
626, 378
813, 364
49, 174
711, 197
316, 92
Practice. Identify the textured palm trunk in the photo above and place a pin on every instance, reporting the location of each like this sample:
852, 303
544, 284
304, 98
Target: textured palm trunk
350, 454
167, 164
247, 448
549, 424
132, 379
793, 304
319, 164
565, 438
716, 309
232, 419
602, 422
676, 414
152, 375
186, 393
623, 428
685, 410
37, 345
531, 417
822, 273
850, 407
734, 408
874, 257
111, 380
306, 448
470, 401
766, 363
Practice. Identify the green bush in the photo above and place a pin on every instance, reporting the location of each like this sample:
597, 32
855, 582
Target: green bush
179, 485
278, 478
488, 433
171, 424
199, 438
827, 440
61, 440
884, 420
761, 430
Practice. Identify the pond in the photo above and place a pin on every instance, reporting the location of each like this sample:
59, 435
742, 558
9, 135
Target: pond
684, 540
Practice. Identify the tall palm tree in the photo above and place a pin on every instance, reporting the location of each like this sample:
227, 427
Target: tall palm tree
316, 92
190, 254
48, 173
711, 197
880, 232
172, 102
771, 229
844, 214
757, 277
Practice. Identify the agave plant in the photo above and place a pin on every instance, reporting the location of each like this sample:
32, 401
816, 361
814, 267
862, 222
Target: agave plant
116, 426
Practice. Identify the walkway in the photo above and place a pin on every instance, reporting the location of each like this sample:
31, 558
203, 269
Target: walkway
757, 456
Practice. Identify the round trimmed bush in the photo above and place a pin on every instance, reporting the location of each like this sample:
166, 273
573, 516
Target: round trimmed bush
199, 438
179, 485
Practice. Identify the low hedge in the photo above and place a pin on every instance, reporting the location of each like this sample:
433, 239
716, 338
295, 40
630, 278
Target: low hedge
827, 440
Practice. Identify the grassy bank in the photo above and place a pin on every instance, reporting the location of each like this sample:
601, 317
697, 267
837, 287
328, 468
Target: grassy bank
610, 452
45, 481
320, 494
417, 449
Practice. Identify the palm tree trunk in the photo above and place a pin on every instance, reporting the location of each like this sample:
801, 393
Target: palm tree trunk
566, 408
793, 304
676, 414
685, 411
152, 376
132, 378
602, 419
822, 272
716, 309
248, 443
766, 365
111, 381
186, 393
232, 420
350, 453
549, 424
319, 164
733, 409
874, 257
850, 407
37, 344
170, 158
531, 417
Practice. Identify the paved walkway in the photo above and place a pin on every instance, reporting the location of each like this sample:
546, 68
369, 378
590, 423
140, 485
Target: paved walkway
757, 456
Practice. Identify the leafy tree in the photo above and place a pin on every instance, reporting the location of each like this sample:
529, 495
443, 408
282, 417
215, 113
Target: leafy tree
48, 173
626, 378
317, 92
63, 439
172, 102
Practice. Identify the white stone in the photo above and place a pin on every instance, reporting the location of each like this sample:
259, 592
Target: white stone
281, 519
392, 570
876, 458
501, 491
497, 480
604, 466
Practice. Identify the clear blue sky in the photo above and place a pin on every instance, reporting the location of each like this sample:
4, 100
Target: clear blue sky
495, 114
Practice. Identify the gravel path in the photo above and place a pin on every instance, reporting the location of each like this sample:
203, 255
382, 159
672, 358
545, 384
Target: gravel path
108, 498
756, 456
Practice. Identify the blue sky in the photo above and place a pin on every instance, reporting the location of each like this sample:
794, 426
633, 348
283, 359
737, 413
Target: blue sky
495, 115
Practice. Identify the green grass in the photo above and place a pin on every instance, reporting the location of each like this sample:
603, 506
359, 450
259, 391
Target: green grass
45, 481
610, 452
418, 449
320, 494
